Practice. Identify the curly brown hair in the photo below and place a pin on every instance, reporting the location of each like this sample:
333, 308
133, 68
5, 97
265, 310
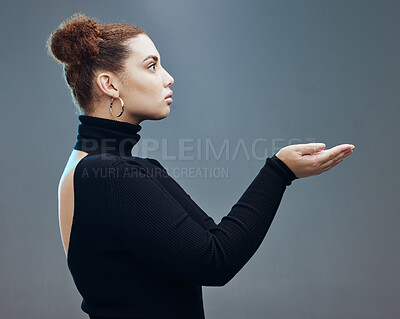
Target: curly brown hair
84, 46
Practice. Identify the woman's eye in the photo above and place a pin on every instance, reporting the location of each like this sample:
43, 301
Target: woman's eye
153, 64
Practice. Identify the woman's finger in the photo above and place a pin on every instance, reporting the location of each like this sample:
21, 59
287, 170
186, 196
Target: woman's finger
333, 162
337, 161
331, 166
331, 154
309, 148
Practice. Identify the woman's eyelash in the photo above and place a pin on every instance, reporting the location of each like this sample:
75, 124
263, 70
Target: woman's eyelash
153, 64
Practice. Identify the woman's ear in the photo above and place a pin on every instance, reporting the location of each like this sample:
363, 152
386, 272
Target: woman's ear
107, 84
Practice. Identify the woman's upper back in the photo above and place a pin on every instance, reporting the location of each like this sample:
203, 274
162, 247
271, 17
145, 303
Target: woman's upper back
66, 197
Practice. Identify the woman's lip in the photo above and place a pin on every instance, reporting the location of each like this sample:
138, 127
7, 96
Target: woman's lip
169, 99
169, 95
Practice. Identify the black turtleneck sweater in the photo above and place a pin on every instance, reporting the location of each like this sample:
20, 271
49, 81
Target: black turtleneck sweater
140, 247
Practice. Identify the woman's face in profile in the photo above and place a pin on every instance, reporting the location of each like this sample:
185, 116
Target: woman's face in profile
147, 83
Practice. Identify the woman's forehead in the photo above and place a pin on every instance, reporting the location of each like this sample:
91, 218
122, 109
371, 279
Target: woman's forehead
143, 49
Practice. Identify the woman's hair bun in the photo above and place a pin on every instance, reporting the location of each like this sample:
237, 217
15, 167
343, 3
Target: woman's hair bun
76, 40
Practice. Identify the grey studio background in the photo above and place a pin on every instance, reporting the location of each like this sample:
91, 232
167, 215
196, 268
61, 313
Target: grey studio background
285, 72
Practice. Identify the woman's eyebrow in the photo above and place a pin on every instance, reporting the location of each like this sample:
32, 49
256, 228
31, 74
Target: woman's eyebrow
150, 57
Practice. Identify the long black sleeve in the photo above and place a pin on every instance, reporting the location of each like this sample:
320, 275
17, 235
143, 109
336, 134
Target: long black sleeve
159, 232
183, 198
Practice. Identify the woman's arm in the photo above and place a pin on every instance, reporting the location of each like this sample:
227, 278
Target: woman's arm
154, 226
182, 197
185, 200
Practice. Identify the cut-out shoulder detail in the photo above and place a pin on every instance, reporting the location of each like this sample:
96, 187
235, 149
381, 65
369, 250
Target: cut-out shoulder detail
66, 197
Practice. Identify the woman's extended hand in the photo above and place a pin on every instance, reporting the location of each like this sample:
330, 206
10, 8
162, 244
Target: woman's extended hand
311, 159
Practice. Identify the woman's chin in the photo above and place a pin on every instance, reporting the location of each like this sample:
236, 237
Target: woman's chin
167, 110
164, 113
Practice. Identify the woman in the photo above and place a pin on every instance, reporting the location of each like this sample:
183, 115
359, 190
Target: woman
136, 244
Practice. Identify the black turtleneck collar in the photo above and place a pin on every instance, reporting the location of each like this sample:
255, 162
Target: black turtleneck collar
99, 135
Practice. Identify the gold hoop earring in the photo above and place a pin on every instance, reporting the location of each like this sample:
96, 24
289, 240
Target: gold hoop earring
122, 103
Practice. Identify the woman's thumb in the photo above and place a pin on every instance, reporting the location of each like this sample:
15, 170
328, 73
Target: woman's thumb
310, 148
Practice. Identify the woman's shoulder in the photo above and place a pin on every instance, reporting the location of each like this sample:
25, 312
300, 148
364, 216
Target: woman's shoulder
109, 160
112, 166
140, 166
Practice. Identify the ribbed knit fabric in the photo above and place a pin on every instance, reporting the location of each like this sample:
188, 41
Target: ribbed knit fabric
98, 135
140, 247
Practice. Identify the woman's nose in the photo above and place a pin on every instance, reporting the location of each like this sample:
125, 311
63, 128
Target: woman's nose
170, 80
